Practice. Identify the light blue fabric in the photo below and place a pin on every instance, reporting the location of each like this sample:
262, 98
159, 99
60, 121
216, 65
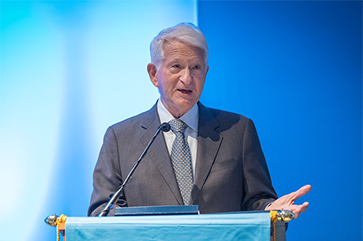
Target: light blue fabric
231, 226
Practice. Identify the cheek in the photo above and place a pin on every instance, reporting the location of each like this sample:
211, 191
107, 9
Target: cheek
172, 83
200, 85
165, 88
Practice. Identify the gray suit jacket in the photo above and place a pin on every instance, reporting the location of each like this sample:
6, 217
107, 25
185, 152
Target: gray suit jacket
231, 172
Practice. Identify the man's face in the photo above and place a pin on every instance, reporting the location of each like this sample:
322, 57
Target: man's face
180, 78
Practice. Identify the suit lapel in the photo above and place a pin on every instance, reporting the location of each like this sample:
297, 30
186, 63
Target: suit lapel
159, 152
209, 142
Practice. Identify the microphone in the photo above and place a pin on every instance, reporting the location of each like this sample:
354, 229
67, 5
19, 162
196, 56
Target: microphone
165, 127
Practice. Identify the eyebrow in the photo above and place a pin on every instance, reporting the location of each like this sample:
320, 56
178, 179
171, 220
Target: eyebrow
181, 60
177, 59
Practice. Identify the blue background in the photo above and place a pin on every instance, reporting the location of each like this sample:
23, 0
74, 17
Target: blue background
69, 69
295, 68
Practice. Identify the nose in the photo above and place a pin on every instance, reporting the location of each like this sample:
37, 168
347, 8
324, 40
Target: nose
186, 77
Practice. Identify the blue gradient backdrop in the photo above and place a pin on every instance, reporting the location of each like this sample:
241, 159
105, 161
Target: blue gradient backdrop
295, 68
69, 69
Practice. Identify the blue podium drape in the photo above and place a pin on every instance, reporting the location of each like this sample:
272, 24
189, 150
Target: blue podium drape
229, 226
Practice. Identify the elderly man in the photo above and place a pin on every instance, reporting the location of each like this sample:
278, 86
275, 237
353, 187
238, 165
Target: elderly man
211, 158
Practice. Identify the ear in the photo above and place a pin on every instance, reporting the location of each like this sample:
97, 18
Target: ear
206, 72
153, 74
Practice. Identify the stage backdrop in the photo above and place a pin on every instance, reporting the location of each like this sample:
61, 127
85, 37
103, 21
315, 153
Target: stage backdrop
69, 69
295, 68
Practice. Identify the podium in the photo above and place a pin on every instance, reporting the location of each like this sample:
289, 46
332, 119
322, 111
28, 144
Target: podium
224, 226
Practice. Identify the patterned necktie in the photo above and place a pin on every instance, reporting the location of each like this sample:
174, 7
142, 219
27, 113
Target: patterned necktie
182, 160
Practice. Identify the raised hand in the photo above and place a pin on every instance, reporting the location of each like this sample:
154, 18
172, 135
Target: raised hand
287, 202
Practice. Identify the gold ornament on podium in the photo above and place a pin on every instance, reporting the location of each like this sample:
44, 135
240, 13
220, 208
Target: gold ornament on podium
55, 221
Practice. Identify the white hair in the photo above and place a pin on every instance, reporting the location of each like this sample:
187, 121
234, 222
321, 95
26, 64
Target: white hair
186, 33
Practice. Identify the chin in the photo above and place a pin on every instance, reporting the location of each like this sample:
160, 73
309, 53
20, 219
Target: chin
187, 104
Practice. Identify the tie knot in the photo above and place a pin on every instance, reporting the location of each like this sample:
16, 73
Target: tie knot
177, 125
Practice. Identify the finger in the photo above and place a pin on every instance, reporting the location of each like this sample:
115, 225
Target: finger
298, 209
297, 214
304, 206
301, 192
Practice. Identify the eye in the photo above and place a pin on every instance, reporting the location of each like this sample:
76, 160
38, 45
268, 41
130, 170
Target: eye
177, 66
196, 67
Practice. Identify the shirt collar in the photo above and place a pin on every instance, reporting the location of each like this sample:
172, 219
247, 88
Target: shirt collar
190, 118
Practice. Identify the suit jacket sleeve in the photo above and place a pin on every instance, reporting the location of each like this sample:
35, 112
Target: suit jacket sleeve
106, 176
258, 188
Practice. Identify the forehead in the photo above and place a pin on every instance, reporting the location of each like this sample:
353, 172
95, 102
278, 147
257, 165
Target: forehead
177, 49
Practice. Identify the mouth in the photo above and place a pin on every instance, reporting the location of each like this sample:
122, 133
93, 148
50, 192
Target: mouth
185, 91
